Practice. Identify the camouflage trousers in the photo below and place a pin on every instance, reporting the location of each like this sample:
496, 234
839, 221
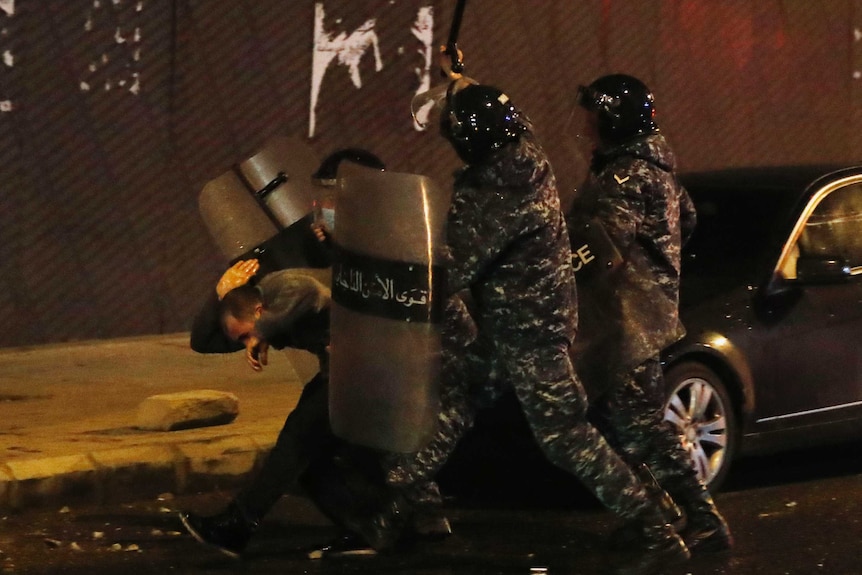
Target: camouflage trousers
631, 416
555, 405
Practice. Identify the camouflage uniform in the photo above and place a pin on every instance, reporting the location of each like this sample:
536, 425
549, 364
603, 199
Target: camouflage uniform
509, 248
629, 315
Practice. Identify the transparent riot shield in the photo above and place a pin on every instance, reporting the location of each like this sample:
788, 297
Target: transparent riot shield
262, 207
387, 289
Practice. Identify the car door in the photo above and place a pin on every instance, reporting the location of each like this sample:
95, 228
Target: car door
814, 351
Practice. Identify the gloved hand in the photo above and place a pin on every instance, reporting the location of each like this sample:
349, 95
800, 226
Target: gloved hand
446, 64
236, 275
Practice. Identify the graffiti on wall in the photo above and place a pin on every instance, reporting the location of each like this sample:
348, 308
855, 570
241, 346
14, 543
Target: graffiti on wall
7, 10
348, 49
857, 38
423, 31
115, 25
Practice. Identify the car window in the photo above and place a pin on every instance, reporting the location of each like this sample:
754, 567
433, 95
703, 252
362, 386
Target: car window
733, 231
833, 231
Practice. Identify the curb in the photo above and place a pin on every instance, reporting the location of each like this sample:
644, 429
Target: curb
130, 473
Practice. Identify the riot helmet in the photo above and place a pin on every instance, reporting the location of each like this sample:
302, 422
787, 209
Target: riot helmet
623, 105
479, 120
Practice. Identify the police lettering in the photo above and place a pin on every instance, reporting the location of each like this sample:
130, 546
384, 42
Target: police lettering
581, 257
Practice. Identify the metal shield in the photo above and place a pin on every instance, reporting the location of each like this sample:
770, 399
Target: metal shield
280, 177
262, 207
233, 217
387, 289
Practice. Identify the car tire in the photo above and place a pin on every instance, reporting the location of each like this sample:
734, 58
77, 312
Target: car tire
698, 405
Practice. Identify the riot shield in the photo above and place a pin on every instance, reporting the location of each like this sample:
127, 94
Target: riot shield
387, 289
234, 219
262, 207
280, 175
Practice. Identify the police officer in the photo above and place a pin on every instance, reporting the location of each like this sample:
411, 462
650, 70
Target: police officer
629, 314
509, 249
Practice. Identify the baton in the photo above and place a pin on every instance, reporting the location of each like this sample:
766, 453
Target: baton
452, 43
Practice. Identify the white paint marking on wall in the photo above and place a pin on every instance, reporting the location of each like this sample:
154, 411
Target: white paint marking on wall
7, 7
135, 88
423, 30
345, 49
349, 49
121, 58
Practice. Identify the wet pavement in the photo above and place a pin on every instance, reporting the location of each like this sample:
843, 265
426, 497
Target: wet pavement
79, 486
68, 415
796, 515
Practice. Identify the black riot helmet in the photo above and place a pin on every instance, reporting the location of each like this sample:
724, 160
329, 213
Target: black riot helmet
623, 104
479, 120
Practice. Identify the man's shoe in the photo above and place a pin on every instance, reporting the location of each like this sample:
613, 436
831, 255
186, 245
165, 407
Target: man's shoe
228, 531
345, 545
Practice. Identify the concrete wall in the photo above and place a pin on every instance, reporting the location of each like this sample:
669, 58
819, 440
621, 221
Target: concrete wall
115, 113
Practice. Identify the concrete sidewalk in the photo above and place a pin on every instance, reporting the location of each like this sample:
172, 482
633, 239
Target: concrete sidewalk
68, 415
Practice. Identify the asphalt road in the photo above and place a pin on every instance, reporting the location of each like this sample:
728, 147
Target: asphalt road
796, 514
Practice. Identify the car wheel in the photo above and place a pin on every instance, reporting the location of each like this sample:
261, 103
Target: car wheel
699, 406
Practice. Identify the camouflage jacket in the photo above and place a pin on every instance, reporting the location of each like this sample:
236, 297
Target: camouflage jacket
632, 314
508, 245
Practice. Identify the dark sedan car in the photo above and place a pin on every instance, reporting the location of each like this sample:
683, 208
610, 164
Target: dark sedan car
771, 297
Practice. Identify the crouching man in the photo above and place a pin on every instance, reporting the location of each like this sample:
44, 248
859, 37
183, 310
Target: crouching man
290, 308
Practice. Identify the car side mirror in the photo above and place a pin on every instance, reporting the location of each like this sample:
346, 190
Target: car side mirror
775, 299
821, 269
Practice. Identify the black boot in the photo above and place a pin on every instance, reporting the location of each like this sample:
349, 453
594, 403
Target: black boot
430, 524
629, 533
672, 513
656, 546
705, 529
383, 529
345, 544
228, 531
357, 501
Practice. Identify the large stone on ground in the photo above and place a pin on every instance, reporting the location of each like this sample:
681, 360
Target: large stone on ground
187, 409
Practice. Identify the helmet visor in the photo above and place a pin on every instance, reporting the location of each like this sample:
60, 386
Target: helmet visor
594, 100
